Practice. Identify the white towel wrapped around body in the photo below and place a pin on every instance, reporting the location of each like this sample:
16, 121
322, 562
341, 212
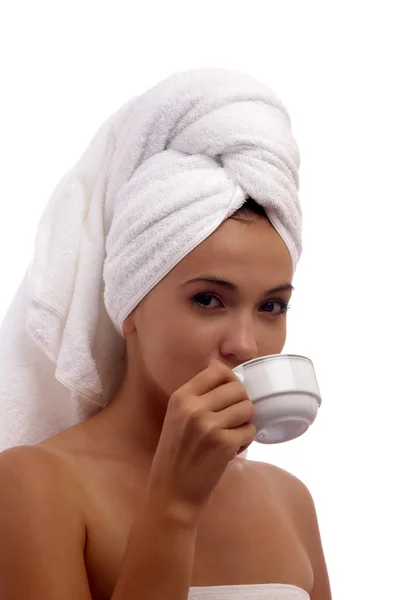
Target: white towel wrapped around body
158, 178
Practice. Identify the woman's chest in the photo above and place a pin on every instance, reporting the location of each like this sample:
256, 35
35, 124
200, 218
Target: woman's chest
240, 540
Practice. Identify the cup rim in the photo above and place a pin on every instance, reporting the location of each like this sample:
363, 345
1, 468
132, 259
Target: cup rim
263, 359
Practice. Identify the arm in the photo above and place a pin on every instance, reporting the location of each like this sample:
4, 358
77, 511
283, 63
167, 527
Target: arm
159, 558
41, 536
207, 421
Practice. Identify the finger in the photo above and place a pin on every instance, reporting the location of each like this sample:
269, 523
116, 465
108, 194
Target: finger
224, 396
235, 439
243, 448
205, 381
236, 415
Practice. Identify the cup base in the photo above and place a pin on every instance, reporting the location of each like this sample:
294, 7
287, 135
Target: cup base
281, 430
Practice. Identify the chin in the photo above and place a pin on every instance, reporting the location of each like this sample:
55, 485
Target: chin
173, 382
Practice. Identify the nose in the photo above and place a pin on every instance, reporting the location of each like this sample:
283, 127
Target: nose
239, 343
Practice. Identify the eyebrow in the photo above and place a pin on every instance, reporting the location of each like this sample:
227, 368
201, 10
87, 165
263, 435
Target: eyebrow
284, 287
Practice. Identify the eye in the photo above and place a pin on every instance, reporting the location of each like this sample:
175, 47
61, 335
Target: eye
206, 301
275, 307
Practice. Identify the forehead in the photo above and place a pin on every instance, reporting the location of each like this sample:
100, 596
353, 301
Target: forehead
238, 248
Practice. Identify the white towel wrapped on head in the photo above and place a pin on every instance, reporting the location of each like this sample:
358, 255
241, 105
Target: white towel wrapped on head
158, 178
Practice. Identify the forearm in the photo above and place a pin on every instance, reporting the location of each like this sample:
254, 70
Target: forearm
159, 559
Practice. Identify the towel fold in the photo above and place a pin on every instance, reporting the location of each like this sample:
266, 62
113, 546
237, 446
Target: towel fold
159, 177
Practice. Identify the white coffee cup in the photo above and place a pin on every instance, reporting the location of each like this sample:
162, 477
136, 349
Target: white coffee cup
285, 394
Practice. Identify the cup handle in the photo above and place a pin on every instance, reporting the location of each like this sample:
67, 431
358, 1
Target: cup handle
239, 372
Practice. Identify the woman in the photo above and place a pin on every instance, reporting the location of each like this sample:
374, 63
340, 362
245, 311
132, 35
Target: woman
148, 497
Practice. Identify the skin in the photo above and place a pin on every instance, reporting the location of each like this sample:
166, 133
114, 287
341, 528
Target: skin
74, 498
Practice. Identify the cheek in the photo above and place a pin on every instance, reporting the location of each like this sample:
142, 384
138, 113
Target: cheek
272, 338
280, 338
174, 349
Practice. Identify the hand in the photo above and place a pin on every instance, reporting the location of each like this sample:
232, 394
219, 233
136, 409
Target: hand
208, 422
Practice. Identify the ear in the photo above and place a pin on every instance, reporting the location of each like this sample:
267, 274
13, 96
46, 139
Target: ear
128, 325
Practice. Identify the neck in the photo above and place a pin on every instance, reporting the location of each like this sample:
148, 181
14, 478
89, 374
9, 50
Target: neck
131, 424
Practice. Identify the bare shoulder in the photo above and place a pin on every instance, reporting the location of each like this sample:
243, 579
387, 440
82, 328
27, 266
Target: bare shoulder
290, 493
31, 464
279, 481
38, 455
38, 468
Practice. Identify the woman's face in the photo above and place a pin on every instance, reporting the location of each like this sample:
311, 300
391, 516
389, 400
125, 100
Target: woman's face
227, 300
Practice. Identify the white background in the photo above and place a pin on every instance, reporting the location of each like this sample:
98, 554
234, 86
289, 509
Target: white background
66, 66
